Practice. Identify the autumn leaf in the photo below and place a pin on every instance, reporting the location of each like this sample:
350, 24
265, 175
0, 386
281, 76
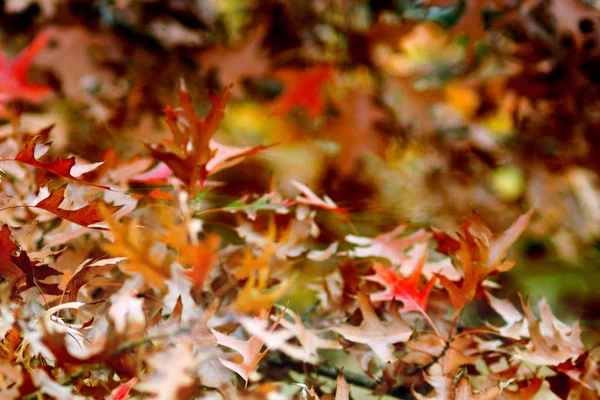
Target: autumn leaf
250, 350
191, 142
309, 198
170, 371
303, 89
35, 273
201, 257
342, 389
255, 296
122, 391
463, 391
478, 253
378, 335
135, 243
389, 245
7, 247
309, 340
85, 216
552, 341
355, 130
402, 288
235, 63
61, 166
13, 74
86, 272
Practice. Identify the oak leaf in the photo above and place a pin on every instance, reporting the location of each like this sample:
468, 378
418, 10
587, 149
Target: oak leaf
61, 166
552, 341
389, 245
355, 130
402, 288
13, 74
250, 349
238, 62
303, 89
309, 340
201, 257
191, 151
478, 253
135, 243
378, 335
85, 216
171, 371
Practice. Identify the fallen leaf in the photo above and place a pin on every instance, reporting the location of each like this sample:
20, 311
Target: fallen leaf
122, 391
202, 258
239, 62
61, 166
378, 335
478, 253
304, 88
84, 216
250, 350
13, 74
404, 289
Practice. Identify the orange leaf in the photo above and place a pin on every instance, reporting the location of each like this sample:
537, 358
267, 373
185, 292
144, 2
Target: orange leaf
203, 260
85, 216
479, 253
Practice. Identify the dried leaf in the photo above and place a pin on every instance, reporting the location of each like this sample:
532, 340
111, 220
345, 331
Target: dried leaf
378, 335
84, 216
61, 166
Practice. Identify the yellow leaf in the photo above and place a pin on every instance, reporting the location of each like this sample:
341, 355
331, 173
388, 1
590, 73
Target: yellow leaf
132, 241
255, 297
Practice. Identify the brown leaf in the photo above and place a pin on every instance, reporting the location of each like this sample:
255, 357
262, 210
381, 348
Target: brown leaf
355, 131
239, 62
87, 273
192, 140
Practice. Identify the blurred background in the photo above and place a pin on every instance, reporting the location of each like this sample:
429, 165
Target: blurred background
399, 110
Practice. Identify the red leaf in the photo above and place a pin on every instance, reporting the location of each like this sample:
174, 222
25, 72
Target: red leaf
61, 166
303, 89
85, 216
7, 247
13, 74
122, 392
404, 289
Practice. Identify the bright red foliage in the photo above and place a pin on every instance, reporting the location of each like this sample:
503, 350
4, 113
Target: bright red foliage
404, 289
304, 89
13, 74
